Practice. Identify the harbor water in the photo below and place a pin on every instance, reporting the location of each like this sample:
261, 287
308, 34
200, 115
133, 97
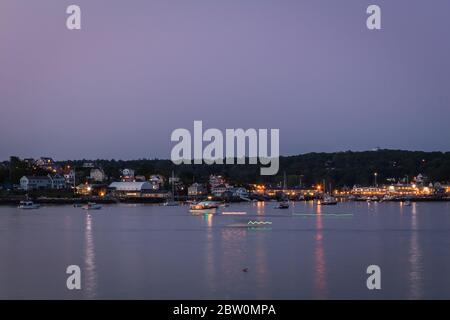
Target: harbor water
253, 251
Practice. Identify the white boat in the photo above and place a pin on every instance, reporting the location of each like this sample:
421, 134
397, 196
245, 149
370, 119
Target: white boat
407, 203
28, 205
328, 200
92, 206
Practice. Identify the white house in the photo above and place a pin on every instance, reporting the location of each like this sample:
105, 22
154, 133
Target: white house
70, 177
197, 189
35, 183
57, 181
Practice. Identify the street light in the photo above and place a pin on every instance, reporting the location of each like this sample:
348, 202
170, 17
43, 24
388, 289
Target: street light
375, 176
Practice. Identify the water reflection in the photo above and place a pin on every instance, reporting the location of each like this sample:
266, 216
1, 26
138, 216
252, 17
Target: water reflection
232, 257
90, 273
262, 276
415, 257
210, 261
320, 285
260, 207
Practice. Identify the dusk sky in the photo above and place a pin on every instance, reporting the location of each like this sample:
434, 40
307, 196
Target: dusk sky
140, 69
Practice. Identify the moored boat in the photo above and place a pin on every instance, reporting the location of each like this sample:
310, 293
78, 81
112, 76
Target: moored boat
92, 206
328, 200
203, 205
28, 205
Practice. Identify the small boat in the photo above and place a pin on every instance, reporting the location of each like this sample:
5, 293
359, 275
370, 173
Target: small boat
407, 203
202, 211
92, 206
328, 200
203, 205
282, 205
28, 205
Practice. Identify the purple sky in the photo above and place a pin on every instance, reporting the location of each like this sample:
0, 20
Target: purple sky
139, 69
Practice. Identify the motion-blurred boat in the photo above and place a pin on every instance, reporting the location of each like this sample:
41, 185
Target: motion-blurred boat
28, 205
92, 206
202, 205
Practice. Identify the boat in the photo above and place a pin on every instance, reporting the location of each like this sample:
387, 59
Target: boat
92, 206
28, 205
328, 200
407, 203
282, 205
203, 205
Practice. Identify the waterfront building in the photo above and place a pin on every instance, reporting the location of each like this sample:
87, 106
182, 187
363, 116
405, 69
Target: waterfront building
84, 189
35, 183
42, 182
57, 181
157, 181
69, 177
129, 189
294, 192
369, 191
125, 189
197, 189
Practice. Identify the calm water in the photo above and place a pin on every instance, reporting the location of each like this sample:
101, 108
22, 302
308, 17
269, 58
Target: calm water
156, 252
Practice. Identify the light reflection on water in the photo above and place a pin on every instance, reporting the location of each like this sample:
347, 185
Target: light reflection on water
415, 256
89, 271
320, 285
